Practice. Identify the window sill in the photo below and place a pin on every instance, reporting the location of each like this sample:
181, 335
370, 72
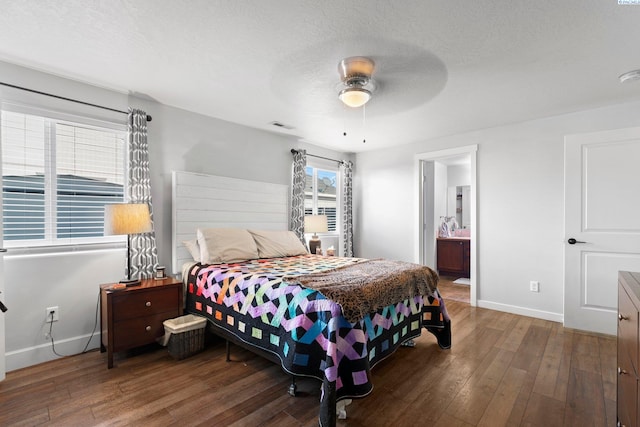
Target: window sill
62, 249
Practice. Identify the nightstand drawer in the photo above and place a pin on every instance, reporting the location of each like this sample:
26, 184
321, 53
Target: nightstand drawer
140, 331
144, 303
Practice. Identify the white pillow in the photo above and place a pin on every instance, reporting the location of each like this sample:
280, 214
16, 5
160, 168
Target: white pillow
219, 245
275, 244
193, 248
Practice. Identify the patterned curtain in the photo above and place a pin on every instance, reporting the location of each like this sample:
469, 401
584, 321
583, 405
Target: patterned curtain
347, 209
144, 253
298, 181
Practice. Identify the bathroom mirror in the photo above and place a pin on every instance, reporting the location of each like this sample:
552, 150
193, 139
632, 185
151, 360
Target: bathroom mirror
458, 198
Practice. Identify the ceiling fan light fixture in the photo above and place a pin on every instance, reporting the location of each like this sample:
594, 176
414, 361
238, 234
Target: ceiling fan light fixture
357, 84
354, 97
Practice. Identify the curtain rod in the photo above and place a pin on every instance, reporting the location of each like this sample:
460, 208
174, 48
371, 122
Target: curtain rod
149, 118
293, 150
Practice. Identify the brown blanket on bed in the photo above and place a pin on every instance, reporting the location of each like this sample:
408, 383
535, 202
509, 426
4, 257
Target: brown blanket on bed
369, 285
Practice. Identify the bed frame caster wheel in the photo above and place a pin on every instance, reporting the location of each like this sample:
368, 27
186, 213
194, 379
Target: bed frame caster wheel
293, 388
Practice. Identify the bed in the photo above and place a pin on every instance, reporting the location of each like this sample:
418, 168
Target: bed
302, 311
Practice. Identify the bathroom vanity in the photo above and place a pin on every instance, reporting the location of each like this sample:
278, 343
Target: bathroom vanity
453, 255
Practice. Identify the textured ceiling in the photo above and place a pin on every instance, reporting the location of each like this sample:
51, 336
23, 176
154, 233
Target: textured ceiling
442, 67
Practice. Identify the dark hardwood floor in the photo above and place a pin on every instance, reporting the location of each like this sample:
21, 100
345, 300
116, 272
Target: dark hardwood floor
502, 370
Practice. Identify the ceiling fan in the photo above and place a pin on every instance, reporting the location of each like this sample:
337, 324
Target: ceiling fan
395, 77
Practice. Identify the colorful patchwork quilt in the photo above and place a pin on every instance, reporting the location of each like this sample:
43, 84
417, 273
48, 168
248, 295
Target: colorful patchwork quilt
307, 331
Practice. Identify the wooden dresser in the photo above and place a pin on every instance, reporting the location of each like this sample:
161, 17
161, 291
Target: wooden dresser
132, 317
628, 362
454, 254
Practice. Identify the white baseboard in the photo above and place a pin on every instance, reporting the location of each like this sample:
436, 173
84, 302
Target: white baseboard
30, 356
523, 311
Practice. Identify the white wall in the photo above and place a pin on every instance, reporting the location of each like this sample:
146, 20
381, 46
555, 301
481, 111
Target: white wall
459, 175
178, 140
66, 280
520, 205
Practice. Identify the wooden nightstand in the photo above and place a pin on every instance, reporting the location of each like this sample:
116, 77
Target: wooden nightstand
133, 316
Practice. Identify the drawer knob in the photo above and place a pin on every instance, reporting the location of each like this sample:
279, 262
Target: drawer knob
148, 328
148, 303
621, 371
621, 317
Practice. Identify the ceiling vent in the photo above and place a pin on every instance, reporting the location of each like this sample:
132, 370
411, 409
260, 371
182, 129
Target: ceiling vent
282, 125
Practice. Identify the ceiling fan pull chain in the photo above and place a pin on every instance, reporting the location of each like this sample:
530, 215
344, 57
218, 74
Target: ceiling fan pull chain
344, 120
364, 123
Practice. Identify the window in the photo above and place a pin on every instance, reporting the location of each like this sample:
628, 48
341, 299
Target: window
57, 176
321, 194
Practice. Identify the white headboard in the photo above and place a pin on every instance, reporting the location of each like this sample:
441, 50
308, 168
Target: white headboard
208, 201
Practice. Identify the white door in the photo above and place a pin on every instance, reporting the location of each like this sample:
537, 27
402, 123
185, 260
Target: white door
602, 224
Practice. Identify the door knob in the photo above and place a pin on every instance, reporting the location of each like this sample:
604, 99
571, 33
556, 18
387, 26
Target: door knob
573, 241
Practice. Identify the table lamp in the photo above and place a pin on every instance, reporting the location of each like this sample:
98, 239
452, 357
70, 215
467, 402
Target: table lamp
315, 224
127, 218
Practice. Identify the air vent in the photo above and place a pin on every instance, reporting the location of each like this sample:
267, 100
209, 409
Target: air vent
281, 125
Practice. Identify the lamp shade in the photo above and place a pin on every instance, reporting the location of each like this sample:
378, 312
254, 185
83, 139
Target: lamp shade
316, 224
126, 218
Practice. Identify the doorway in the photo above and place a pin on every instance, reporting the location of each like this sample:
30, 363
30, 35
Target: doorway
432, 201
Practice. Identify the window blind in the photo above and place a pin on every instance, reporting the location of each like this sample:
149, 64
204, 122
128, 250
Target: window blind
57, 176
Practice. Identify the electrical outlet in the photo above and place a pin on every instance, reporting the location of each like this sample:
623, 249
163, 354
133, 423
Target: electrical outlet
56, 314
534, 286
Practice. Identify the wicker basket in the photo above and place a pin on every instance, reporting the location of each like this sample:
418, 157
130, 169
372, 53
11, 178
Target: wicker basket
187, 335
